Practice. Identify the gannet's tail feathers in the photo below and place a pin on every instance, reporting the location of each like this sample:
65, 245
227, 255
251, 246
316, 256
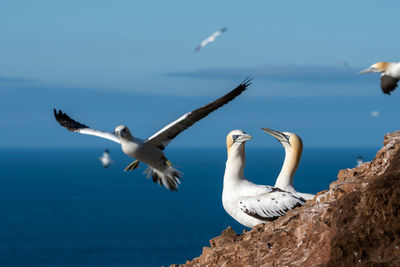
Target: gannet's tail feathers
168, 178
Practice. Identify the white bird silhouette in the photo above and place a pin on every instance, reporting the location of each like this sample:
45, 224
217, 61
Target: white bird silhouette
211, 38
106, 159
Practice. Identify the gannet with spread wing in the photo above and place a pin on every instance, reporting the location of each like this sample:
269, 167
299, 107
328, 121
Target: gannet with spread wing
248, 203
150, 151
389, 77
210, 38
293, 147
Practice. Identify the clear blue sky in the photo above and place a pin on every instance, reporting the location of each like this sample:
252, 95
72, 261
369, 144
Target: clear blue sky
133, 62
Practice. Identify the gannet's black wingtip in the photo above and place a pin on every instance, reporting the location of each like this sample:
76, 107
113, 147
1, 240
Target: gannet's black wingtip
65, 121
247, 81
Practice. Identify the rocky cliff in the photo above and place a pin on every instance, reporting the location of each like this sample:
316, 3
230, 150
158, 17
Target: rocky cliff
355, 222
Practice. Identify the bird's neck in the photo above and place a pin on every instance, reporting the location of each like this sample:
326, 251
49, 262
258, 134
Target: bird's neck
234, 170
130, 138
289, 167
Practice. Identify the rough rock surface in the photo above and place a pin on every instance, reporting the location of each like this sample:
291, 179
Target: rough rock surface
355, 222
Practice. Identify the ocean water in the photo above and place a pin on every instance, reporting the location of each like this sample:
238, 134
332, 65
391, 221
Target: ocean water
59, 207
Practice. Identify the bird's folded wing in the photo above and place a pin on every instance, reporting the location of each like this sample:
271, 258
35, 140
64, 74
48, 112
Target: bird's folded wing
166, 134
270, 206
388, 84
65, 121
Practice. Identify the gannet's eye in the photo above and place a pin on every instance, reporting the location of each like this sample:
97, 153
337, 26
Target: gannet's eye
287, 137
234, 137
123, 132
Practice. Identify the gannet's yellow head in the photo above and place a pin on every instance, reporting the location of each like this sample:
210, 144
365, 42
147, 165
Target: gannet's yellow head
377, 67
290, 141
123, 132
236, 140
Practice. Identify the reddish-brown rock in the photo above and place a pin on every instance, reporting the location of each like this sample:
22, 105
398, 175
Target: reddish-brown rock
355, 222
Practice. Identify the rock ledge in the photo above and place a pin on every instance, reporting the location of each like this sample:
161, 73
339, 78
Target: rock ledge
355, 222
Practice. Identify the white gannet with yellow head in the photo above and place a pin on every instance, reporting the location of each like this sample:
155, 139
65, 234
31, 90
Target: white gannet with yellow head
293, 148
248, 203
150, 150
389, 77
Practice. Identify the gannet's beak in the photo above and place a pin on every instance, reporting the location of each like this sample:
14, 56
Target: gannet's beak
241, 138
281, 137
367, 70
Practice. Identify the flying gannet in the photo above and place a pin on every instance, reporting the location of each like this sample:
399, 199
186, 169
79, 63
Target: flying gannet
374, 113
248, 203
293, 147
389, 77
150, 151
210, 38
360, 161
106, 159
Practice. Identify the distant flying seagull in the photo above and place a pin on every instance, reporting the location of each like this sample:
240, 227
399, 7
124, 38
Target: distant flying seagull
293, 147
150, 151
374, 113
248, 203
389, 77
359, 161
211, 38
106, 159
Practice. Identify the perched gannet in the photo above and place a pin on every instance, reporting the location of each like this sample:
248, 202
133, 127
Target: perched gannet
106, 159
359, 161
293, 148
389, 77
210, 38
248, 203
150, 151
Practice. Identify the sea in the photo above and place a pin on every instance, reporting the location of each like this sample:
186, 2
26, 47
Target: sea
60, 207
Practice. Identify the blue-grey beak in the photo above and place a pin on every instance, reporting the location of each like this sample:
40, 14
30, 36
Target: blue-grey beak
281, 137
241, 138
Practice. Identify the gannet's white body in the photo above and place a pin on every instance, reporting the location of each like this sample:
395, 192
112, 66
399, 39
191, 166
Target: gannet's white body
106, 159
150, 151
293, 148
389, 77
210, 38
248, 203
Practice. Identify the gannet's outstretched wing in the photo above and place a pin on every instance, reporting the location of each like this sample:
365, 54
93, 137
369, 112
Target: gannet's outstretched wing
388, 84
269, 206
210, 38
166, 134
65, 121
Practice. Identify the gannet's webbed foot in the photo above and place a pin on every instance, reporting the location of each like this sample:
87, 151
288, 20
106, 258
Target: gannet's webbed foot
132, 166
168, 163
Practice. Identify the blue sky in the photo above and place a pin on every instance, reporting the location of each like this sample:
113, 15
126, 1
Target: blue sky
133, 62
